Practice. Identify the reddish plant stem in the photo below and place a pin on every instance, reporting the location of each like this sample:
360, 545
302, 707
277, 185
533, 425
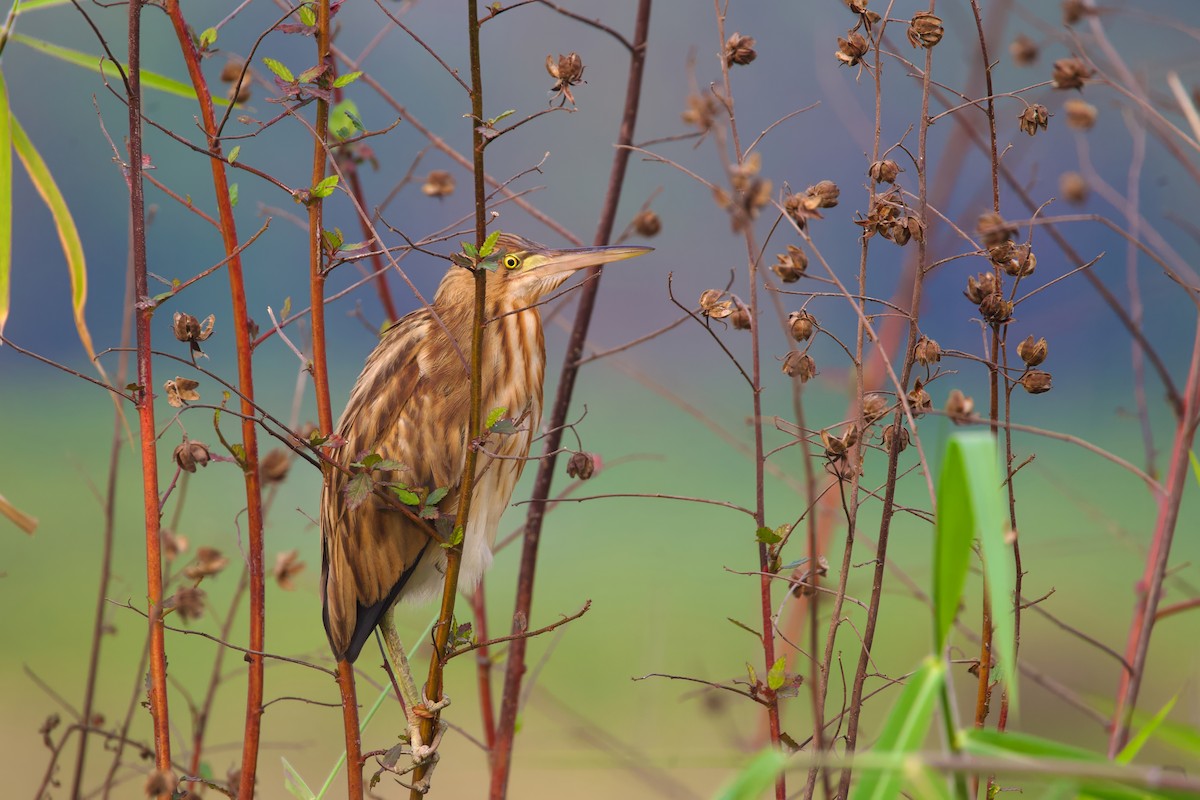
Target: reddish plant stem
1150, 587
145, 404
483, 667
241, 331
515, 669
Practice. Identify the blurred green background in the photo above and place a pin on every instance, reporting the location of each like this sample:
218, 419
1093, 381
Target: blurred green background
656, 571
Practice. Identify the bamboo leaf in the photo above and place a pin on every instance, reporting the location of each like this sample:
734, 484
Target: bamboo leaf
756, 777
1134, 746
5, 202
150, 80
33, 5
903, 733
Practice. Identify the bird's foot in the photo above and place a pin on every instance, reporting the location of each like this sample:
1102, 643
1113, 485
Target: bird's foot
422, 752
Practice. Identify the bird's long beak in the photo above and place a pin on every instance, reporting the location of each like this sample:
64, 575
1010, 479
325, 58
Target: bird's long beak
563, 262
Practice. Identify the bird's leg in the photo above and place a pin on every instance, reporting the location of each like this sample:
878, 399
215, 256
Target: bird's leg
416, 706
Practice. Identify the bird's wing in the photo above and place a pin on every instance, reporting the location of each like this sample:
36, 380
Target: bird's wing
370, 551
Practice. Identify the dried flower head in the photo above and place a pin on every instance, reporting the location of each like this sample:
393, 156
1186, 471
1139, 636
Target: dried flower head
438, 183
874, 406
836, 446
1035, 381
889, 433
799, 365
919, 399
1034, 118
1033, 352
647, 223
1075, 10
822, 195
959, 408
1023, 51
1015, 259
740, 318
581, 466
1073, 187
1081, 115
884, 171
750, 193
927, 351
1070, 73
189, 329
790, 266
701, 111
567, 71
925, 30
180, 391
274, 466
904, 228
995, 310
712, 306
287, 566
739, 50
852, 49
208, 561
885, 213
189, 602
191, 454
801, 324
993, 230
980, 286
173, 544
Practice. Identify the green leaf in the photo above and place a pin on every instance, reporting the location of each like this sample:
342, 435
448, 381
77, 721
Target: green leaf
150, 80
294, 783
754, 779
32, 5
489, 244
470, 250
491, 122
767, 535
436, 496
746, 628
456, 538
343, 119
504, 427
903, 733
346, 80
325, 187
281, 71
358, 489
370, 460
308, 16
5, 202
494, 415
1131, 749
406, 495
233, 154
208, 38
777, 675
233, 194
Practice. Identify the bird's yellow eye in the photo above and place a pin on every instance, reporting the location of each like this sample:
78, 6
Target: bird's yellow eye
512, 262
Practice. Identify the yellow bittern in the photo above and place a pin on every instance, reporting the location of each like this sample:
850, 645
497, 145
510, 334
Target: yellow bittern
411, 407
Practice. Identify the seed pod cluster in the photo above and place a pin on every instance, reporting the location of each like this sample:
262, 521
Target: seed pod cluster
790, 266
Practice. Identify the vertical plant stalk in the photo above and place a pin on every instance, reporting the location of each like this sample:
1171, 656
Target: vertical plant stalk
347, 690
145, 403
510, 699
889, 501
483, 667
445, 623
241, 331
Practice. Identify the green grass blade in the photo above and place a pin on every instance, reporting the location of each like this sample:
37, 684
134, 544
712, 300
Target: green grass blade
294, 783
150, 80
5, 202
34, 5
903, 734
754, 779
954, 534
1130, 750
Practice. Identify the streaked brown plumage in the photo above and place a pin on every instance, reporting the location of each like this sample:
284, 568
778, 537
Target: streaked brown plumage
411, 404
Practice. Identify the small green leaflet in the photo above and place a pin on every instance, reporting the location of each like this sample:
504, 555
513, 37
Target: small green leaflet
282, 72
406, 495
768, 536
208, 38
777, 675
489, 244
233, 194
325, 187
233, 154
436, 496
307, 16
358, 489
456, 538
494, 416
346, 80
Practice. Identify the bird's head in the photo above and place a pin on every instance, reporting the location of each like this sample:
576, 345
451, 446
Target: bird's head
528, 271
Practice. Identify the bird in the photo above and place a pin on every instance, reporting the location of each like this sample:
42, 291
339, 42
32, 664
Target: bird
410, 407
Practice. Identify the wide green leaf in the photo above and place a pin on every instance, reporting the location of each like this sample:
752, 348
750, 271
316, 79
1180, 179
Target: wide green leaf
102, 65
903, 734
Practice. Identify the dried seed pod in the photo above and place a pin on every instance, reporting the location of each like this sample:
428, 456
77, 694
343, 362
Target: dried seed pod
191, 454
919, 399
874, 406
287, 566
1081, 115
1034, 118
1073, 187
1074, 10
993, 230
1070, 73
189, 329
274, 466
1035, 381
567, 71
581, 466
739, 50
189, 602
884, 171
836, 446
701, 112
1023, 51
1021, 261
799, 365
925, 30
790, 266
740, 318
647, 223
851, 49
712, 306
980, 286
208, 562
822, 195
181, 391
160, 782
927, 351
173, 544
959, 408
1031, 352
890, 432
995, 309
801, 324
438, 183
